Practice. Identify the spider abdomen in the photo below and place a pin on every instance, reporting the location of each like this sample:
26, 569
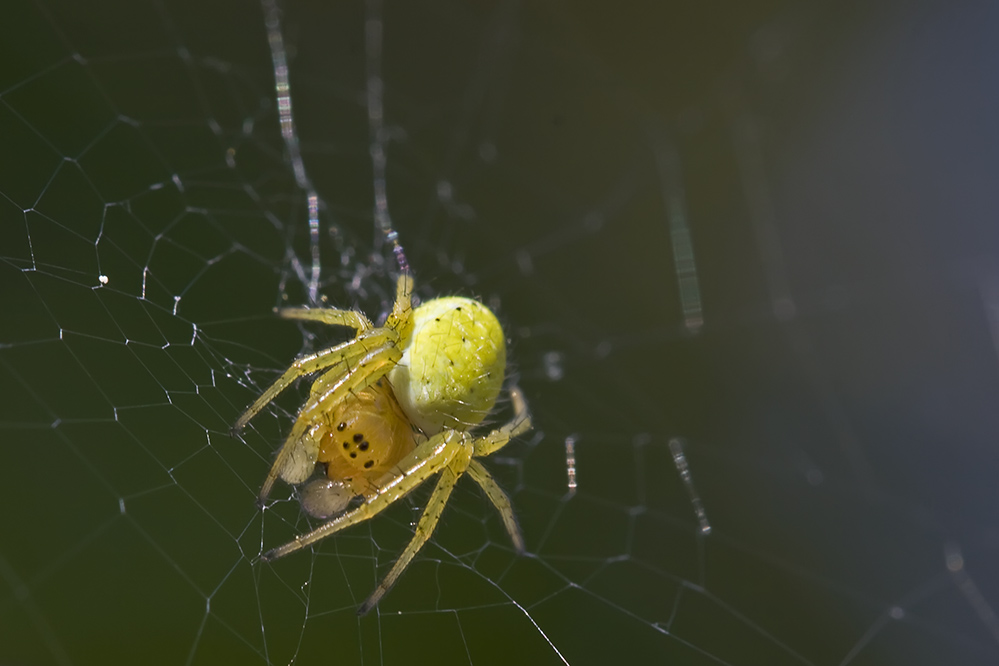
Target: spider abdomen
452, 370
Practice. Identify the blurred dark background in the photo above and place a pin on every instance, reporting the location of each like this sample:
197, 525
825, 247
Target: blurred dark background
765, 228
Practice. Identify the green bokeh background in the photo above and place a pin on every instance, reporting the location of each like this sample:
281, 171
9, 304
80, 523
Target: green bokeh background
836, 166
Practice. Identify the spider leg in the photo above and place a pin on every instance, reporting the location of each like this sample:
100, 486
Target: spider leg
426, 460
499, 499
310, 363
295, 461
400, 318
518, 425
428, 521
399, 322
356, 373
330, 316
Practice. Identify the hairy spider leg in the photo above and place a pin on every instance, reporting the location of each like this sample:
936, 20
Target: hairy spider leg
483, 446
402, 309
437, 454
425, 461
460, 463
425, 528
398, 321
518, 425
308, 364
329, 316
499, 499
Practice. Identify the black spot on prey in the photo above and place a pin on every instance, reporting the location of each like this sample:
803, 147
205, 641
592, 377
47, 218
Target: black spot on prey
346, 445
369, 464
353, 454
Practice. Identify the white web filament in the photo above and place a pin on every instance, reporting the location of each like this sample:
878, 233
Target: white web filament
279, 58
376, 126
570, 465
668, 163
680, 460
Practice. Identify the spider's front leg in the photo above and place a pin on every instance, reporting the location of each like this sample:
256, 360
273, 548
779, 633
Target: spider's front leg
398, 323
329, 316
310, 363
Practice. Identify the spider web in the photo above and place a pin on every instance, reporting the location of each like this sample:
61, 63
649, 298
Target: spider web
763, 230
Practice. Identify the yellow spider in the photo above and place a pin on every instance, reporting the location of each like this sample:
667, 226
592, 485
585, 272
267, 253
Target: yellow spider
391, 408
